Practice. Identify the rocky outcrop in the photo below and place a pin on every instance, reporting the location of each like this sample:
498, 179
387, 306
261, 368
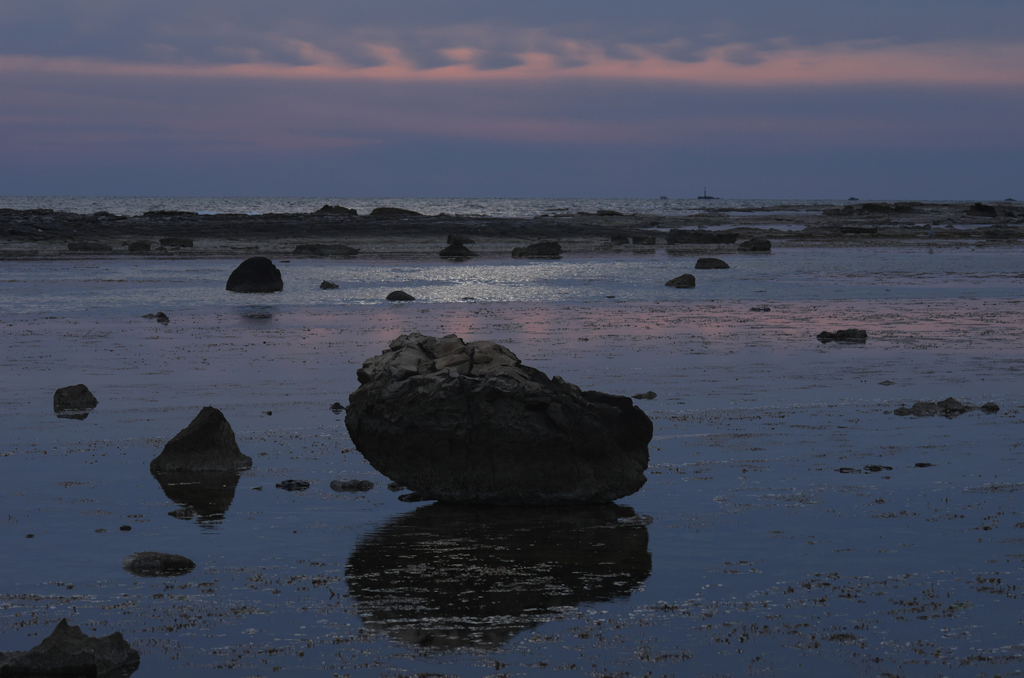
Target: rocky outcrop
318, 250
206, 444
844, 336
949, 408
538, 250
678, 236
456, 251
470, 423
337, 209
255, 274
393, 212
399, 295
70, 652
684, 281
755, 245
155, 564
710, 262
74, 401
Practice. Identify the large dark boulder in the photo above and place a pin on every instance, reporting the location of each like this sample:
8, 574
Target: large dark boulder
680, 237
68, 652
538, 250
470, 423
844, 336
73, 398
156, 564
682, 282
400, 295
456, 251
206, 444
255, 274
755, 245
710, 262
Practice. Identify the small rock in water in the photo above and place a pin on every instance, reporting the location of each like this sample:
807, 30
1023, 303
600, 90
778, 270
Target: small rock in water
70, 652
269, 413
75, 399
125, 528
456, 251
682, 282
650, 395
399, 295
923, 464
155, 564
159, 316
255, 274
538, 250
886, 383
100, 530
845, 336
755, 245
760, 309
351, 485
949, 408
30, 536
337, 408
183, 513
206, 444
293, 485
326, 285
710, 262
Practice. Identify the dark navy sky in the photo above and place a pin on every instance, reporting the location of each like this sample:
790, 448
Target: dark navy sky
789, 99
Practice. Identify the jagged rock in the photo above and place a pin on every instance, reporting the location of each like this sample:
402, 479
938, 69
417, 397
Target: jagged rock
337, 209
70, 653
89, 247
846, 336
682, 282
393, 212
73, 398
325, 285
470, 423
351, 485
255, 274
680, 237
206, 444
399, 295
755, 245
547, 249
319, 250
292, 485
457, 250
710, 262
949, 408
645, 240
155, 564
176, 242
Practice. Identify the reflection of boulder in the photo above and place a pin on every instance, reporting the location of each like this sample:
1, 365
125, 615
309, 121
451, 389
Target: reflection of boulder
209, 494
70, 652
451, 576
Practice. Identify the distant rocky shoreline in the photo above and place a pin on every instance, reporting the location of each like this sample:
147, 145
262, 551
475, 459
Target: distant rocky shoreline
396, 232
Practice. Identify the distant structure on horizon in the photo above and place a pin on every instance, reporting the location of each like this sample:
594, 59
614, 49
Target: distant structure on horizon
706, 196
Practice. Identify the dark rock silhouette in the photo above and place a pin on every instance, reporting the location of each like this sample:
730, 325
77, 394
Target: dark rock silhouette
155, 564
538, 250
255, 274
710, 262
844, 336
205, 494
457, 250
70, 653
206, 444
318, 250
74, 402
475, 576
682, 282
399, 295
470, 423
755, 245
949, 408
979, 209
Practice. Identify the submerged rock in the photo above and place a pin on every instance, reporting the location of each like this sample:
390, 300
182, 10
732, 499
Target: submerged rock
949, 408
255, 275
399, 295
538, 250
710, 262
70, 653
845, 336
74, 402
470, 423
206, 444
155, 564
393, 212
682, 282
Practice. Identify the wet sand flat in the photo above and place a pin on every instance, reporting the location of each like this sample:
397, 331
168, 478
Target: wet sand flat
791, 523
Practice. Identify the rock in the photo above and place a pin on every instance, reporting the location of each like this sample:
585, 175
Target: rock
255, 274
351, 485
411, 497
981, 210
949, 408
710, 262
206, 444
393, 212
682, 282
293, 485
457, 250
325, 285
887, 382
183, 513
755, 245
159, 316
176, 242
619, 240
396, 487
74, 401
139, 246
680, 237
454, 239
154, 564
70, 653
399, 295
609, 213
89, 247
470, 423
538, 250
337, 209
645, 240
650, 395
337, 408
319, 250
760, 309
846, 336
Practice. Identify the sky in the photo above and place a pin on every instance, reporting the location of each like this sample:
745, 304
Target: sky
901, 99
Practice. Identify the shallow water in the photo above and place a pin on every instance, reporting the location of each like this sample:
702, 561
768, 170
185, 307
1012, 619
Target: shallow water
746, 552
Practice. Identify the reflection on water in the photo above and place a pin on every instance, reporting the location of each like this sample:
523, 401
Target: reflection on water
73, 414
208, 493
450, 576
